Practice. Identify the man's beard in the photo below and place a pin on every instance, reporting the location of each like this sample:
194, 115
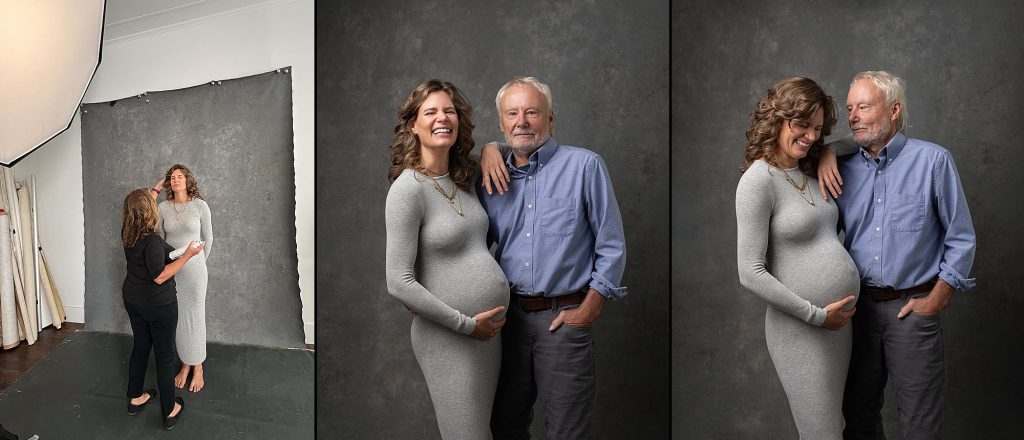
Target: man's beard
527, 149
874, 135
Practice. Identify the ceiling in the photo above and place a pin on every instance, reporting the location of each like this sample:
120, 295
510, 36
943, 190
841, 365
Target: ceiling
121, 10
127, 18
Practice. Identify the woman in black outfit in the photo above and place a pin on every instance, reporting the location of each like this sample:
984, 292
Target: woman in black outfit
151, 302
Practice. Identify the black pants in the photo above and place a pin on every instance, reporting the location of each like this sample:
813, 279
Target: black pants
153, 328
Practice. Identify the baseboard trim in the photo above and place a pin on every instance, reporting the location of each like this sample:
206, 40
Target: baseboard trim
74, 314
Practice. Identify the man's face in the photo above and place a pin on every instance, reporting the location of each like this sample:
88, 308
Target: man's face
525, 119
873, 123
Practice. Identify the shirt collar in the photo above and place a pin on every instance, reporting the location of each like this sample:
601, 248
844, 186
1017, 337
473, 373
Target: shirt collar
890, 150
538, 158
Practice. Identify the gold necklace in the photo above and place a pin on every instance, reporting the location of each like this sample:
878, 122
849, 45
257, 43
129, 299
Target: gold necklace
801, 188
184, 207
451, 198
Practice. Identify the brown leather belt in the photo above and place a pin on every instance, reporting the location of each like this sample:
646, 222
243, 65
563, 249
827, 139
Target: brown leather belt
888, 293
537, 303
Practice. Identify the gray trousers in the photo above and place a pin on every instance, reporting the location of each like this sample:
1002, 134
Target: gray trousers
559, 366
908, 352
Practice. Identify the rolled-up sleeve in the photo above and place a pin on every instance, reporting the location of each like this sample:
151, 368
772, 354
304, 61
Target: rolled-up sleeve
609, 238
960, 239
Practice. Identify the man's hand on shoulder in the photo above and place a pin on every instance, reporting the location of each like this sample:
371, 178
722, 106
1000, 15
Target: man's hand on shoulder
493, 173
828, 174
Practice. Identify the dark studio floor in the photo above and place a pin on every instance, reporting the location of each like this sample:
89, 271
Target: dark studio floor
15, 362
77, 391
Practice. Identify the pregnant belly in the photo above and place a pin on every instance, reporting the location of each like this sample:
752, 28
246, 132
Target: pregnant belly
821, 276
470, 288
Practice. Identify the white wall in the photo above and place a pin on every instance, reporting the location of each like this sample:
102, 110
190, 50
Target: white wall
60, 215
239, 42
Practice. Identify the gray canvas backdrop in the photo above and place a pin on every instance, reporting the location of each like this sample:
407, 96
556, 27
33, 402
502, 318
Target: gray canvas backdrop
963, 64
607, 65
236, 138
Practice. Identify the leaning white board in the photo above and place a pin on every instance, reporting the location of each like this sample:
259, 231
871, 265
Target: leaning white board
50, 293
53, 285
28, 275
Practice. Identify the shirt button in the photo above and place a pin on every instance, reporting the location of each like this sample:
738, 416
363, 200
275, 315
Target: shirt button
529, 177
527, 234
877, 229
876, 259
527, 264
879, 200
531, 205
878, 172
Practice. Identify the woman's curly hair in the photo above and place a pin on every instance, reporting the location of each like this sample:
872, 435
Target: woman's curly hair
792, 99
140, 217
191, 185
405, 148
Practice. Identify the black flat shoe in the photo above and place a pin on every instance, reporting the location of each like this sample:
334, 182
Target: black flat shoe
134, 409
170, 421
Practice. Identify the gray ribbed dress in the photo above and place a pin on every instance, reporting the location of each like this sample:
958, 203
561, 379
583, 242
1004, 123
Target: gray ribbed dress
182, 223
789, 254
439, 266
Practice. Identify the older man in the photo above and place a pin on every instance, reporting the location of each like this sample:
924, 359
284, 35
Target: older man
560, 242
909, 231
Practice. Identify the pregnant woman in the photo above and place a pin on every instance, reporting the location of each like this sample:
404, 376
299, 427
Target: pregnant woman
186, 217
438, 264
789, 254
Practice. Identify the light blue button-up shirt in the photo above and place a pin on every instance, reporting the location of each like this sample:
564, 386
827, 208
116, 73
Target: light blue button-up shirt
558, 227
905, 216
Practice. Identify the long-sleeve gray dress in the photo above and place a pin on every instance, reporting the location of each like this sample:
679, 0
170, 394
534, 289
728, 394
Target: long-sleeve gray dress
439, 266
181, 224
789, 254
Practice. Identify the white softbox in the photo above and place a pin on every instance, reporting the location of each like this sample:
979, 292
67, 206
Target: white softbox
49, 51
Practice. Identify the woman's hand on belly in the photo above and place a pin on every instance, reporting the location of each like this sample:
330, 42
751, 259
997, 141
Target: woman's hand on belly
486, 327
836, 318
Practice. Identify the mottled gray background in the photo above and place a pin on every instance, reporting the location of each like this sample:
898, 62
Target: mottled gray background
236, 138
607, 63
963, 64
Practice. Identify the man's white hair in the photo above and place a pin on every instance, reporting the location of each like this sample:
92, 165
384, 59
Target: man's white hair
894, 89
524, 81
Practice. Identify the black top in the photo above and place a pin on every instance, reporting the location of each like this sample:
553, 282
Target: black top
146, 261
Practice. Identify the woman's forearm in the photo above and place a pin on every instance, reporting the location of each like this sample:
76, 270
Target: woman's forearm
171, 269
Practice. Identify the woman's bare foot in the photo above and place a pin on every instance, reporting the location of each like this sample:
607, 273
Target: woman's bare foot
197, 379
176, 410
182, 376
141, 399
